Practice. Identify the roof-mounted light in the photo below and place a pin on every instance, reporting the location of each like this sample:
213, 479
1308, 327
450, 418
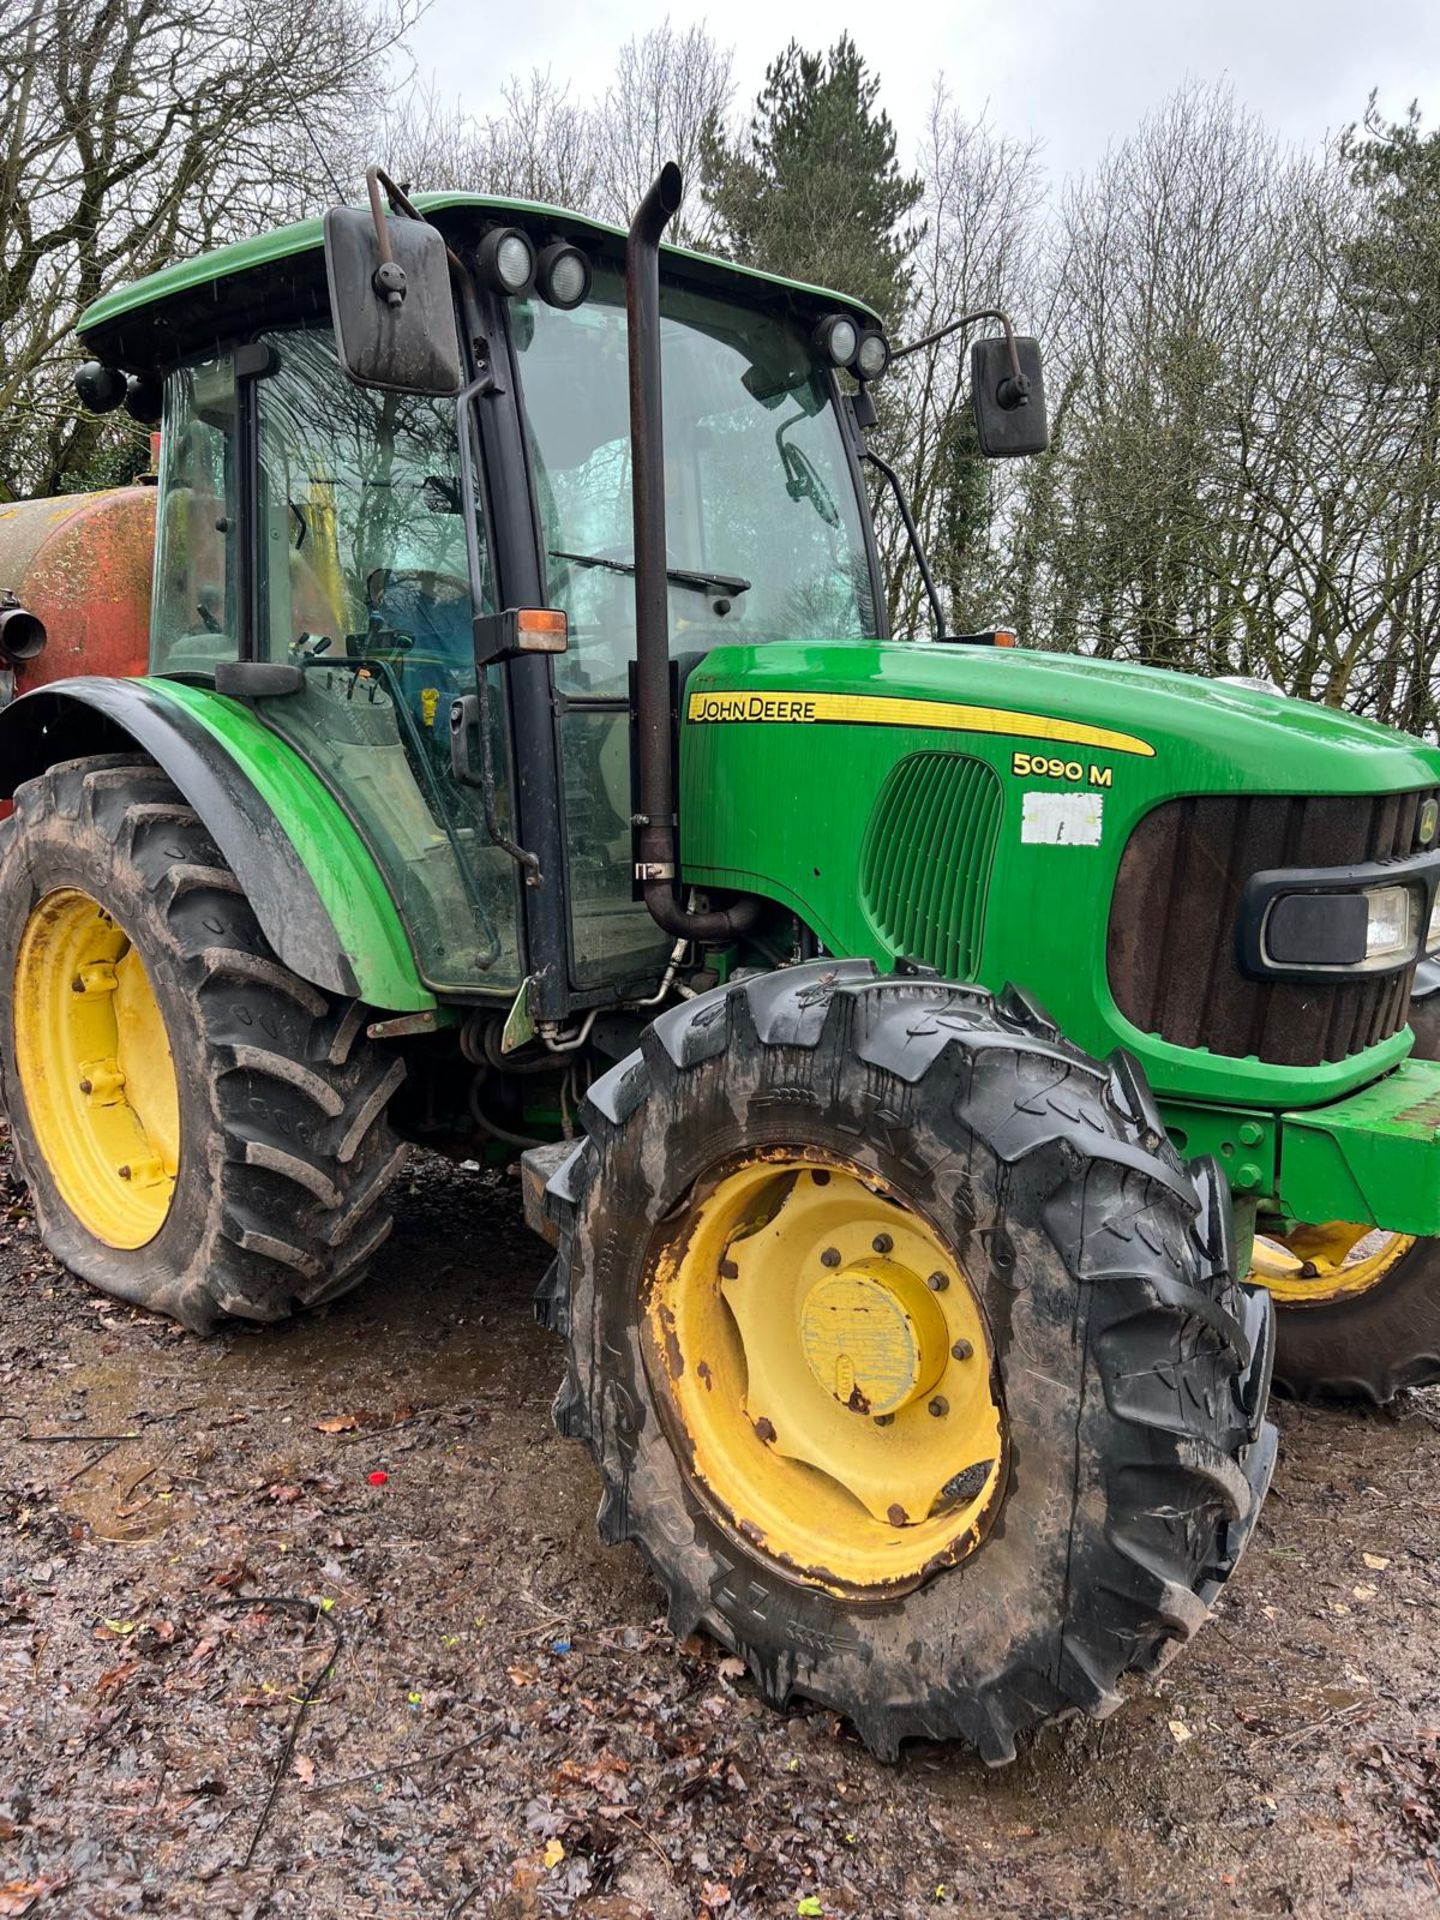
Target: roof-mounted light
563, 275
100, 388
837, 338
506, 261
872, 356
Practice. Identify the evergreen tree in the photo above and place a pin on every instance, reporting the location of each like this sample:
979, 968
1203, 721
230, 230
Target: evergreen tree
813, 189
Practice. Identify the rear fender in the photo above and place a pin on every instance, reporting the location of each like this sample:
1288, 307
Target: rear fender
315, 888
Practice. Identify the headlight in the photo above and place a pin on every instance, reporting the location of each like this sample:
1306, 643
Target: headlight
1364, 931
1390, 927
506, 261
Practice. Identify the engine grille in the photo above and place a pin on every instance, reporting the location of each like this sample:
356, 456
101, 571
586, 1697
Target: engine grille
1171, 948
926, 858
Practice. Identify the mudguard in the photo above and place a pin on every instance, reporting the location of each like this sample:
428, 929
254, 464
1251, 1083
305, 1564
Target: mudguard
314, 886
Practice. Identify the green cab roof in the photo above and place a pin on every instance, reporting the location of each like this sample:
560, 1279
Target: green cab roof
126, 327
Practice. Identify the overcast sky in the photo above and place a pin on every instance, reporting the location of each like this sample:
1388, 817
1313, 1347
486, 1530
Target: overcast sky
1076, 73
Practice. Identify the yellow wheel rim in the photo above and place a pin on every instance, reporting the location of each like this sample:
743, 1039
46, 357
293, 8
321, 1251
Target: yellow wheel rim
827, 1370
94, 1063
1313, 1266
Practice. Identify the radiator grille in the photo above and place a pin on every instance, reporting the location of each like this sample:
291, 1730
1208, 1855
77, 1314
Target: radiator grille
1171, 949
926, 858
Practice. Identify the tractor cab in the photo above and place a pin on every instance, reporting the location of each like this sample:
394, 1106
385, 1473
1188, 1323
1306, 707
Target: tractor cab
326, 546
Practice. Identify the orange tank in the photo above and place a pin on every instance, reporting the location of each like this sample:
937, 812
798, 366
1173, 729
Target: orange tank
82, 565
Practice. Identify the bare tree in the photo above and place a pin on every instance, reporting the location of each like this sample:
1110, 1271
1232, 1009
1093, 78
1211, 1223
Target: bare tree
977, 248
138, 130
542, 147
670, 85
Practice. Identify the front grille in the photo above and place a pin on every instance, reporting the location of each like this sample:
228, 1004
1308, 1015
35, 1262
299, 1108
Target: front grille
926, 857
1171, 949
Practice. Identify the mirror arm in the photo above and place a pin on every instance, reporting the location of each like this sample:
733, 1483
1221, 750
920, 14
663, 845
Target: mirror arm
916, 546
1018, 383
388, 278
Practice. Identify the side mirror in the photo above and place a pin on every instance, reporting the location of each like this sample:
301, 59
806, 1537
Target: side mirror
394, 319
1009, 413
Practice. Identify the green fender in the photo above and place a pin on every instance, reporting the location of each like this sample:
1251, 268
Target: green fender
315, 888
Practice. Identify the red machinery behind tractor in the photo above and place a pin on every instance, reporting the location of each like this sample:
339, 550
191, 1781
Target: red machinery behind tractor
75, 578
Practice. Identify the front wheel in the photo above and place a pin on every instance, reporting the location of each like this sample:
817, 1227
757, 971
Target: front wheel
1357, 1311
910, 1355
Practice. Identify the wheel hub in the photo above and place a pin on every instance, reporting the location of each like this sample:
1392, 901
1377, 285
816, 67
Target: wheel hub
873, 1336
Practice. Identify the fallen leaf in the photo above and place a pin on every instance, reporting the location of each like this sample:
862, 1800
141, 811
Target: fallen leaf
304, 1769
1364, 1593
715, 1893
337, 1423
1181, 1732
1377, 1562
116, 1677
731, 1669
18, 1896
122, 1627
554, 1853
810, 1907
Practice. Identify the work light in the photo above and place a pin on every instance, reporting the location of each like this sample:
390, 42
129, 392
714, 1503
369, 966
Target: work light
506, 261
837, 337
563, 275
872, 356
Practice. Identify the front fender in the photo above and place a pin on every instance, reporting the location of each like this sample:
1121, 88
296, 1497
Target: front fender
310, 879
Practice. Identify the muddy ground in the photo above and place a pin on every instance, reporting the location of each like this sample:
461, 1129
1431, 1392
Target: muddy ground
504, 1725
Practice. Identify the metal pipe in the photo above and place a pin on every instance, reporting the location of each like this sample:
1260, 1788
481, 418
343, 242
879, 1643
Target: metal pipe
656, 851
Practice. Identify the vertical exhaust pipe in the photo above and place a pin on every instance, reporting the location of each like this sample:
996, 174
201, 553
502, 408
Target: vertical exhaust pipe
657, 855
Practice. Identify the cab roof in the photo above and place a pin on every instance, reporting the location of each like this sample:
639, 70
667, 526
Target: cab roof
280, 276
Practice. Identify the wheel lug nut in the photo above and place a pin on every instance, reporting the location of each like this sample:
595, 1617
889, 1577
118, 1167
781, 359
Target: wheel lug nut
729, 1270
85, 1087
830, 1257
962, 1349
884, 1419
124, 1173
938, 1282
882, 1243
939, 1406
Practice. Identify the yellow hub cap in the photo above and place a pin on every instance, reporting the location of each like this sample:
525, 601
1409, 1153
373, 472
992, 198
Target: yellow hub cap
94, 1063
1313, 1266
829, 1371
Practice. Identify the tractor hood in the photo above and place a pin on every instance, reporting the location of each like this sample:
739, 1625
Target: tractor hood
992, 802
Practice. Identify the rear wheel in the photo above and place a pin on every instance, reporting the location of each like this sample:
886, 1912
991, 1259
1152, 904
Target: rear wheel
203, 1132
910, 1355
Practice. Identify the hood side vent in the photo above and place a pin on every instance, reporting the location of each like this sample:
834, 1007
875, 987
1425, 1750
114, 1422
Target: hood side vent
926, 857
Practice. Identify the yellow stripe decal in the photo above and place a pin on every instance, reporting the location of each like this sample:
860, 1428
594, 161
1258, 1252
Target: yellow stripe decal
885, 710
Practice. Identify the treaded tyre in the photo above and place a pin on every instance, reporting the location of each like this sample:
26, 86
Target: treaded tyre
203, 1132
1123, 1456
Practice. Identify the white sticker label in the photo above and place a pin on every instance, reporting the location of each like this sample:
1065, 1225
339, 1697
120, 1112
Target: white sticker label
1062, 819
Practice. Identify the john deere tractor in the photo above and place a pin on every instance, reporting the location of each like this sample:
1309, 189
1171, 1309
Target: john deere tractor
904, 1041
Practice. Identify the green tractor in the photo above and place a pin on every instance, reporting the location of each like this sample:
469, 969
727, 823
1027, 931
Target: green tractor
524, 767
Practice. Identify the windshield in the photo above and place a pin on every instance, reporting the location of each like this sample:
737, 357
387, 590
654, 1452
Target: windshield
765, 539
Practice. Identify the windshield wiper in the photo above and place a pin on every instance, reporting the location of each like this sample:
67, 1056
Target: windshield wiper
697, 582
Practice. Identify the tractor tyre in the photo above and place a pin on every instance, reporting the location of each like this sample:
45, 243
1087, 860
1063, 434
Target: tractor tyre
202, 1131
1357, 1311
911, 1356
